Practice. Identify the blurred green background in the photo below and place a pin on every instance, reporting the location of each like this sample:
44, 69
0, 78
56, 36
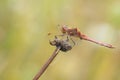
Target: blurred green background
24, 44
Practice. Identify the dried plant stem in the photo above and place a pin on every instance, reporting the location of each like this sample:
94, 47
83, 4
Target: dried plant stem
42, 70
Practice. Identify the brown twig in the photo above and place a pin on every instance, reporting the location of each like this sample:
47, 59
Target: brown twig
61, 45
42, 70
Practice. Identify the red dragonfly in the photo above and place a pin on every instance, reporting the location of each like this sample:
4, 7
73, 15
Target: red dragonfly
76, 33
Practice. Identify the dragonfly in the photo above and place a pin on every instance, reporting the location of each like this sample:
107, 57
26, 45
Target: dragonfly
75, 32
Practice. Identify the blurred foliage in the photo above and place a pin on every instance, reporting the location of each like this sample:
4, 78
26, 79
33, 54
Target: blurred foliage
24, 48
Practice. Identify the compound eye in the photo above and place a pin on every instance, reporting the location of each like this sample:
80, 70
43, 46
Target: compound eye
63, 30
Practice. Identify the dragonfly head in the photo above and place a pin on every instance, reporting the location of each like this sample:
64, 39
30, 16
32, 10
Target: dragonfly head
64, 29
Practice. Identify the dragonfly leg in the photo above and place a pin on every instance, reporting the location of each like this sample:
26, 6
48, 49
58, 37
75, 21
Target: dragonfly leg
56, 37
72, 41
69, 38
